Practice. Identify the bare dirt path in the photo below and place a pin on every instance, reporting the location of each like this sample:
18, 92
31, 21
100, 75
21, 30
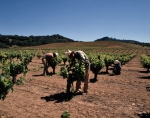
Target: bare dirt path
135, 62
120, 96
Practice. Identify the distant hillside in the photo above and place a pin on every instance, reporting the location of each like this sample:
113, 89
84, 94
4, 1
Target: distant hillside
7, 41
86, 45
126, 41
11, 40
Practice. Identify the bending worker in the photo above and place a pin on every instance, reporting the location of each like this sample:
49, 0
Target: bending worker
81, 57
47, 60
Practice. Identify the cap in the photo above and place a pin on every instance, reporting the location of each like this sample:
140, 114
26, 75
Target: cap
116, 62
56, 54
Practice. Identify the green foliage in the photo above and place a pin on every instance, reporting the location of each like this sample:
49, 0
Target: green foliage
145, 60
108, 60
20, 66
3, 56
57, 60
65, 114
6, 86
79, 71
20, 81
64, 58
13, 67
39, 55
64, 72
17, 68
97, 65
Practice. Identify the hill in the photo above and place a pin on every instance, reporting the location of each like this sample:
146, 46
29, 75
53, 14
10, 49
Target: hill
7, 41
11, 40
126, 41
81, 45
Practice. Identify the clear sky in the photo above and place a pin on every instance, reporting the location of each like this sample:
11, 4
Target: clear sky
80, 20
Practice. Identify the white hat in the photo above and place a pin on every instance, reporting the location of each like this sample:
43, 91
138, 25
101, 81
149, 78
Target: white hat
56, 54
116, 62
67, 53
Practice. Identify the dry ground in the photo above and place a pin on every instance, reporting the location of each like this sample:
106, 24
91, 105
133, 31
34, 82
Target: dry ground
120, 96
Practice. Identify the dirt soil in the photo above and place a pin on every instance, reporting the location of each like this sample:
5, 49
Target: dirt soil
119, 96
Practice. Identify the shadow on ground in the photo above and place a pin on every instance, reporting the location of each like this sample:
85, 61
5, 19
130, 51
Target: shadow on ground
145, 77
144, 115
148, 88
93, 80
59, 97
48, 74
144, 71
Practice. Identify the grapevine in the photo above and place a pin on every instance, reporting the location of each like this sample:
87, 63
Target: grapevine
6, 86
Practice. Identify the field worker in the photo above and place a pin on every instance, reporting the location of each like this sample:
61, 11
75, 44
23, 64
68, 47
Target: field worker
81, 57
47, 61
117, 67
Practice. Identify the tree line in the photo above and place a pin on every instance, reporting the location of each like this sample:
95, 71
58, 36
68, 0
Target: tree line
7, 41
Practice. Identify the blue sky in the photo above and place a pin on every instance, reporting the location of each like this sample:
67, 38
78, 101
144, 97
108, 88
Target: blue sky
82, 20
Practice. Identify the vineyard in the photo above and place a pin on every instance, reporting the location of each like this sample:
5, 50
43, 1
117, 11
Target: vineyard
25, 93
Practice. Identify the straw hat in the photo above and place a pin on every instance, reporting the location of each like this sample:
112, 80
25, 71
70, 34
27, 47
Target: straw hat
67, 53
116, 62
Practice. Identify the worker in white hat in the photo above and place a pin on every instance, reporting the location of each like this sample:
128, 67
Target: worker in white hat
47, 61
117, 67
67, 53
81, 57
